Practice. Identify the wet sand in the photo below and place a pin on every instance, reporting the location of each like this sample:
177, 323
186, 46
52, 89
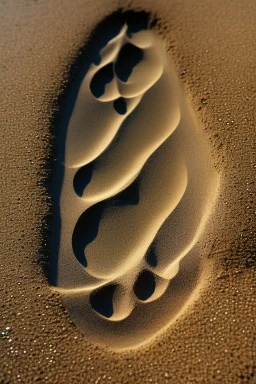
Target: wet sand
212, 47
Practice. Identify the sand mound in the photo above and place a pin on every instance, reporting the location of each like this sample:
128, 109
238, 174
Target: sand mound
137, 190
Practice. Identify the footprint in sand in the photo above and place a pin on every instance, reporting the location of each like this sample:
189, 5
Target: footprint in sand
138, 187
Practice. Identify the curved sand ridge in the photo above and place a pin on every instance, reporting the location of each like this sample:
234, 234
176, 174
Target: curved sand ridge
137, 190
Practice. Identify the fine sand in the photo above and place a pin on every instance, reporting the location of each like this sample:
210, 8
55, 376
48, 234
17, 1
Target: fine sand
155, 154
160, 285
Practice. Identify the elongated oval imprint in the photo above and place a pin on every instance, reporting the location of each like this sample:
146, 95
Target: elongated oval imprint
138, 186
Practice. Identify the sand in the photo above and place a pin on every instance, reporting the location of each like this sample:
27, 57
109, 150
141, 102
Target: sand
154, 154
211, 339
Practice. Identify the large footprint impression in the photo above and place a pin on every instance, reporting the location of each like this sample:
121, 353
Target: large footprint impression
137, 189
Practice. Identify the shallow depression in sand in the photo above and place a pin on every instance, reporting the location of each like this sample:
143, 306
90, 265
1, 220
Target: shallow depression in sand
137, 190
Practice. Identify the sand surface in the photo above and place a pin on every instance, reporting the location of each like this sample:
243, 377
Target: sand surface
212, 340
136, 183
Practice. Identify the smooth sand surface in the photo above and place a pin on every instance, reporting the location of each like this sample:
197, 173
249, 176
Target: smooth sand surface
211, 340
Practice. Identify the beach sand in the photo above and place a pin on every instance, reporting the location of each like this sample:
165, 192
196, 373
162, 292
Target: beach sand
211, 45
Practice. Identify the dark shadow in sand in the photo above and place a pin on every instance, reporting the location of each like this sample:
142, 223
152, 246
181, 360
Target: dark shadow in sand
145, 285
101, 78
120, 106
151, 258
129, 56
82, 178
102, 300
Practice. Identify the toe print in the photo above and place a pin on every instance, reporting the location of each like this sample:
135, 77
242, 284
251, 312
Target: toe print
137, 189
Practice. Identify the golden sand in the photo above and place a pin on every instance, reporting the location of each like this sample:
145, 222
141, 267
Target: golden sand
212, 46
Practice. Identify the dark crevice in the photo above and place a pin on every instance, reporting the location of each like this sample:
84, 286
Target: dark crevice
82, 178
102, 300
120, 106
151, 258
108, 33
136, 21
129, 56
129, 196
145, 285
104, 76
86, 230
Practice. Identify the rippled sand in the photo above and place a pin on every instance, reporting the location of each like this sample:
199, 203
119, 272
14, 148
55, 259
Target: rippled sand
211, 44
